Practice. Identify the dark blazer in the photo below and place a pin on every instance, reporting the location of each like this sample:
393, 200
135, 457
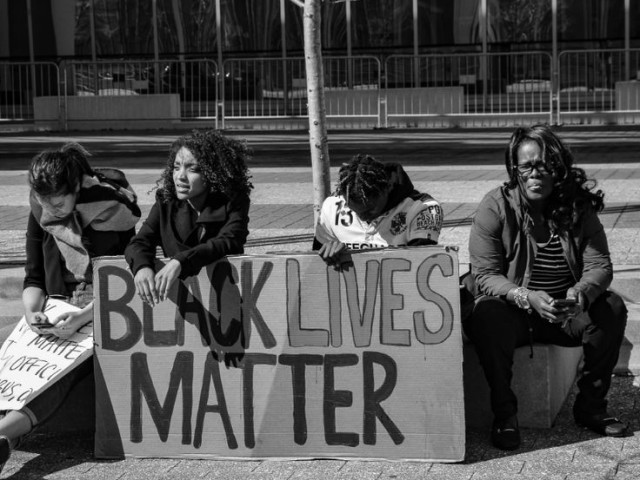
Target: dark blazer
195, 241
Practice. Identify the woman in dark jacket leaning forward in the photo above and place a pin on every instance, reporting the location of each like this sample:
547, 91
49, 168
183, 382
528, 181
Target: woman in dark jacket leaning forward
539, 256
200, 215
77, 213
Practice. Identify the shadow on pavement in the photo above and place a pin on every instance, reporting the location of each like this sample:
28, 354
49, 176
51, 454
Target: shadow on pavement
565, 437
565, 433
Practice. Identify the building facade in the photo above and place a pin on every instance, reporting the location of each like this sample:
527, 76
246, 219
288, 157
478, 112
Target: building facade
54, 29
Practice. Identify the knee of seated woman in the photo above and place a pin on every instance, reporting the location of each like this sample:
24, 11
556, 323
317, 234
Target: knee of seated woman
608, 312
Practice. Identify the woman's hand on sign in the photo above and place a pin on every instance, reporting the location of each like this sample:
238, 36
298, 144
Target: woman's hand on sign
166, 276
146, 286
331, 252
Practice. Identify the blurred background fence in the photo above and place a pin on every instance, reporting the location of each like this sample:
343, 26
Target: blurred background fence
475, 89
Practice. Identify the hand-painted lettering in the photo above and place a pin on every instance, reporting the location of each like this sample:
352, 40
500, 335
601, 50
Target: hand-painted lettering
373, 398
142, 384
112, 307
298, 364
250, 294
298, 336
212, 371
248, 364
423, 276
390, 301
334, 399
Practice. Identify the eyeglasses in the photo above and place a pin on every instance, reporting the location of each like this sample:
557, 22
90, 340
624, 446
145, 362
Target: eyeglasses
526, 169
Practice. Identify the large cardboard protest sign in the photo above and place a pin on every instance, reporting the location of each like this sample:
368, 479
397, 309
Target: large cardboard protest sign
30, 363
283, 356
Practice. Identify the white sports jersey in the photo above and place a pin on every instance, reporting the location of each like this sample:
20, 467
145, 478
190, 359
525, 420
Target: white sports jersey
412, 219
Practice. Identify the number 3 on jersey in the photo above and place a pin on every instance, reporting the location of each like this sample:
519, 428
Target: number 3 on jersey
343, 217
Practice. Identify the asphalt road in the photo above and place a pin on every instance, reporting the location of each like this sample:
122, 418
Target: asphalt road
283, 149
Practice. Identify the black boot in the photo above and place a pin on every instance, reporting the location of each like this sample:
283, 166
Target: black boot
505, 434
601, 423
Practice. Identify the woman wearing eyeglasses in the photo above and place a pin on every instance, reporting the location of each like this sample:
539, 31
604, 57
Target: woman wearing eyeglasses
541, 266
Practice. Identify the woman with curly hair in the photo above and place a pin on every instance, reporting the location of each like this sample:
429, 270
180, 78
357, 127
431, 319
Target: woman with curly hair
541, 266
200, 215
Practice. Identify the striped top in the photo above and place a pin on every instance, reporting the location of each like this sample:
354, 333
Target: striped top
550, 269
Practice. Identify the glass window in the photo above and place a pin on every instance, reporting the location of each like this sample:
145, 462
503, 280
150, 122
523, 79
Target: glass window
122, 27
634, 23
251, 26
520, 21
595, 21
436, 22
200, 27
83, 28
294, 29
334, 27
18, 30
466, 26
382, 23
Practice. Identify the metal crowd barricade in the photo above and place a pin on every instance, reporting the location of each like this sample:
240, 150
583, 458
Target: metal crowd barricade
21, 83
592, 81
263, 88
496, 88
495, 84
194, 80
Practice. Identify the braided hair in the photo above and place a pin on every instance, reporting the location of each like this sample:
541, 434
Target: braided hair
59, 172
221, 159
572, 190
361, 179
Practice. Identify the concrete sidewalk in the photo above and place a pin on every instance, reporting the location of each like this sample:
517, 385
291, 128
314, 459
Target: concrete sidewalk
282, 220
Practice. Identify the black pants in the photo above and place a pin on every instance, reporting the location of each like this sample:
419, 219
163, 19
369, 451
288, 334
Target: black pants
498, 328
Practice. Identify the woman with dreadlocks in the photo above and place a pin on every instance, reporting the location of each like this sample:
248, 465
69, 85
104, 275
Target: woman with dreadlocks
541, 265
375, 205
200, 215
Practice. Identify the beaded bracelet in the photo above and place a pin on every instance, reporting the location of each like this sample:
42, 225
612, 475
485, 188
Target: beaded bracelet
521, 297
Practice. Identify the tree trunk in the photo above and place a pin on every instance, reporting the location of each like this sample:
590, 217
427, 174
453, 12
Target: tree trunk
316, 106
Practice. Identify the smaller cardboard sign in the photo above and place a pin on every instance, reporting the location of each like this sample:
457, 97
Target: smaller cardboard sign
30, 363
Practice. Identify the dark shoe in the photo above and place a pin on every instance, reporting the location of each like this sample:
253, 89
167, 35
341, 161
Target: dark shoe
5, 450
505, 434
602, 423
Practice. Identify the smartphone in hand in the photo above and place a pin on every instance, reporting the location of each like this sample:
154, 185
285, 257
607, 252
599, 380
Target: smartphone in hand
565, 302
43, 325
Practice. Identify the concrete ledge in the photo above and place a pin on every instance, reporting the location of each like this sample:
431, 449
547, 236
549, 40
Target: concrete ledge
628, 95
541, 384
629, 359
109, 110
406, 102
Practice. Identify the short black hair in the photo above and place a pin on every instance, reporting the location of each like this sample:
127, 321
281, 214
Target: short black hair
59, 172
